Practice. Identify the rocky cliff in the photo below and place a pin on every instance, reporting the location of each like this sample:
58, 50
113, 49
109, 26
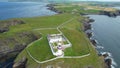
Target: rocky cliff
12, 45
51, 7
110, 14
4, 25
21, 63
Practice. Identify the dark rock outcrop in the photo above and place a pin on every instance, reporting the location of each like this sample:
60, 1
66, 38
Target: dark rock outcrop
93, 42
87, 26
52, 8
89, 34
91, 20
105, 55
21, 63
16, 42
88, 20
11, 46
87, 23
108, 62
110, 14
4, 29
4, 25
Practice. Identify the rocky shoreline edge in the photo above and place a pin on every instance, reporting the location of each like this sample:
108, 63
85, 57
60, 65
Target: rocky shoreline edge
107, 13
87, 29
6, 51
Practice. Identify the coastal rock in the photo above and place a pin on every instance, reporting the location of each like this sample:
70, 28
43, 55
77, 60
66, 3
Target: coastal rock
16, 44
21, 63
4, 29
89, 34
88, 20
105, 55
107, 59
87, 23
52, 8
110, 14
87, 26
93, 42
108, 63
91, 20
11, 46
15, 22
4, 25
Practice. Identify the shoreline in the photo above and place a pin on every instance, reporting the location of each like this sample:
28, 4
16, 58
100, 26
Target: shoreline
86, 26
106, 13
108, 60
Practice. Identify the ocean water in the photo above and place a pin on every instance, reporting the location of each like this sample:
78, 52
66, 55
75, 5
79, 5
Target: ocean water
107, 32
25, 9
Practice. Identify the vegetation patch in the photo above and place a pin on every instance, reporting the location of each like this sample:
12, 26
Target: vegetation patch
40, 49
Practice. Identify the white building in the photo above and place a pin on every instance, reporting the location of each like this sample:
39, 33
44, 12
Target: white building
58, 43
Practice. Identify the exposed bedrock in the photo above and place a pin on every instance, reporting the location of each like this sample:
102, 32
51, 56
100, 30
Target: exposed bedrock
11, 46
108, 61
52, 8
21, 63
4, 25
87, 26
87, 23
89, 34
3, 29
93, 42
110, 14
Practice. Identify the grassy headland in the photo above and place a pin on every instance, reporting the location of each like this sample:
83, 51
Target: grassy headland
73, 30
40, 49
83, 9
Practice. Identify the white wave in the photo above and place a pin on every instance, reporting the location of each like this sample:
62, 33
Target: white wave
105, 53
90, 38
92, 28
110, 54
100, 47
114, 64
93, 34
96, 41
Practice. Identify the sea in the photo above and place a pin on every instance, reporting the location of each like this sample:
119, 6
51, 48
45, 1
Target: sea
105, 29
23, 9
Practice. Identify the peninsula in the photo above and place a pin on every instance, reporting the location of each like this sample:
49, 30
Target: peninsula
56, 41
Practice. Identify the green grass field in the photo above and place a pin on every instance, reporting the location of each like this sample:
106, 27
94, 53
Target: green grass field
37, 22
79, 9
79, 46
40, 49
74, 34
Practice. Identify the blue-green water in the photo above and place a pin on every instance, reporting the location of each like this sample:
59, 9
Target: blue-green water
107, 33
24, 9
